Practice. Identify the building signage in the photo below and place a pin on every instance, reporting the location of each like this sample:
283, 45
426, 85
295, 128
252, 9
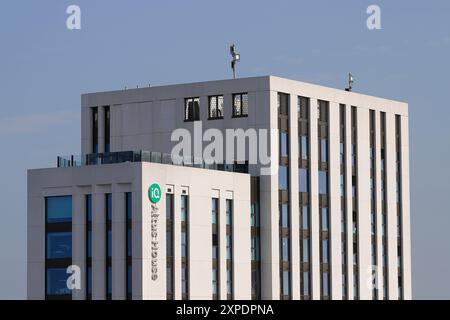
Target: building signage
154, 194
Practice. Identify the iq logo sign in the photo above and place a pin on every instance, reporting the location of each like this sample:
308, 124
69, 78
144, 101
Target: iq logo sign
154, 193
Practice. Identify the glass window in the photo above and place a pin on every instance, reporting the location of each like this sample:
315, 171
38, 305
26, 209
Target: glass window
306, 283
323, 182
215, 107
109, 240
303, 180
305, 218
57, 281
342, 152
229, 282
89, 244
169, 280
229, 212
107, 128
59, 209
129, 205
88, 208
108, 206
324, 220
184, 280
305, 250
169, 206
215, 246
342, 185
89, 280
229, 247
192, 109
109, 280
285, 249
282, 177
284, 144
215, 283
184, 208
255, 248
284, 215
303, 147
240, 105
325, 284
323, 150
59, 245
129, 242
254, 215
215, 210
325, 251
183, 244
129, 279
286, 283
95, 130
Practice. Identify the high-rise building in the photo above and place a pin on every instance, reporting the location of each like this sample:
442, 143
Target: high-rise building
326, 216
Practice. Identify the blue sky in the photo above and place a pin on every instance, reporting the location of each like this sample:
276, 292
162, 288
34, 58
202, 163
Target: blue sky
44, 68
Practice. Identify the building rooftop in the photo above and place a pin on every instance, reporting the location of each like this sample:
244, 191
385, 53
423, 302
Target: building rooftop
258, 83
145, 156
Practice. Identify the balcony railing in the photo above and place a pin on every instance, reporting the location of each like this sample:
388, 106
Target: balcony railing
145, 156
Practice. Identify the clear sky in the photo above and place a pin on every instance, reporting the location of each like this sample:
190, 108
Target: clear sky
44, 68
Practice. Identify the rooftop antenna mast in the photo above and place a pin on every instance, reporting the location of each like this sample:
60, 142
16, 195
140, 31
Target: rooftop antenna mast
236, 57
351, 80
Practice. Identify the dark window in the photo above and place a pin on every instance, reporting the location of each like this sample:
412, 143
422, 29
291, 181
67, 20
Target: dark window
303, 147
303, 180
88, 212
57, 282
284, 215
323, 182
285, 253
94, 130
129, 243
284, 144
107, 129
215, 107
192, 109
108, 247
283, 178
283, 104
59, 209
59, 245
240, 105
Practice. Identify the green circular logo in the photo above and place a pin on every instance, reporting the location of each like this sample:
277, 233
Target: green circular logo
154, 193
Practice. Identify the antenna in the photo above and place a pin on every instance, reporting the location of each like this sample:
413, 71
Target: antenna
351, 80
236, 57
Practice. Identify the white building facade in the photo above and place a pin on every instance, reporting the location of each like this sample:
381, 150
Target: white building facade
331, 222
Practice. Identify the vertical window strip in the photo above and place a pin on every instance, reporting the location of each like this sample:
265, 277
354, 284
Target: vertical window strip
185, 247
343, 166
284, 207
373, 204
303, 108
385, 249
229, 242
88, 212
355, 219
215, 249
129, 245
398, 145
169, 247
324, 199
108, 245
